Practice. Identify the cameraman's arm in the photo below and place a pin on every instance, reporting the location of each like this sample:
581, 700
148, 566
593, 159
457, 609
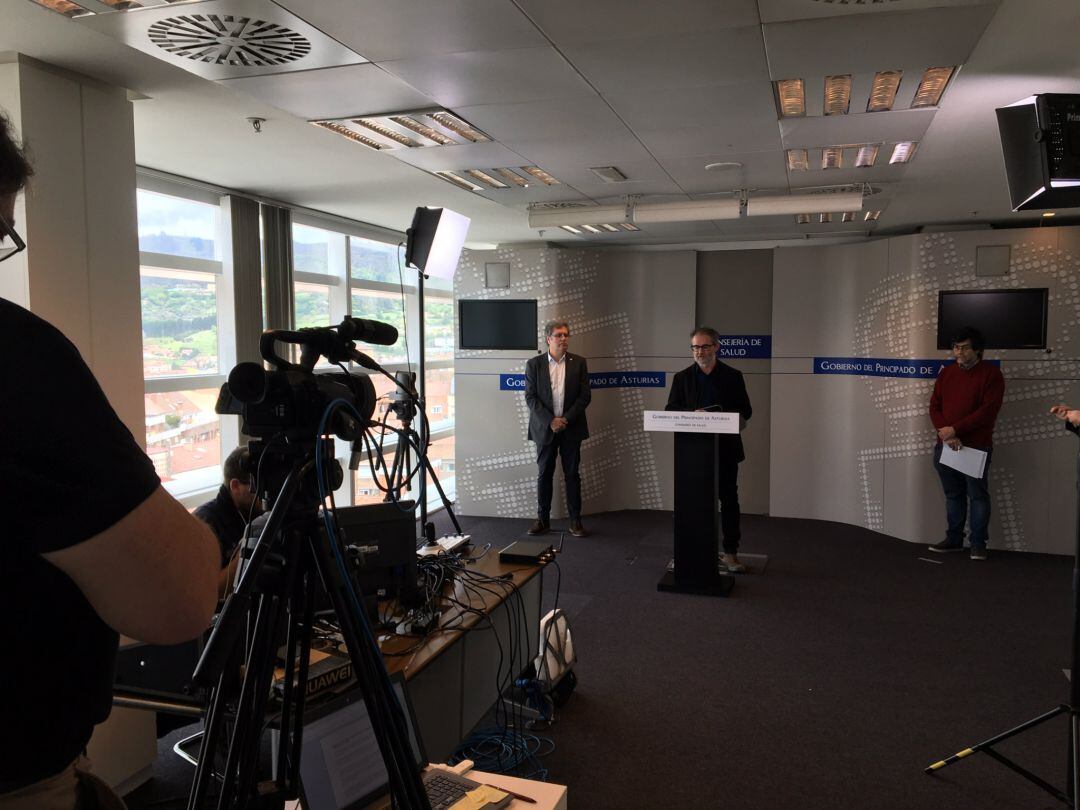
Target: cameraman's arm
152, 575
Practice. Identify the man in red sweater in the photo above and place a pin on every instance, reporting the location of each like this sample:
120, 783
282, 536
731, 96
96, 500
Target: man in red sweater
964, 406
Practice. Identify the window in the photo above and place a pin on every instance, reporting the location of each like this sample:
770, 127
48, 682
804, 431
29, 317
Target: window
185, 356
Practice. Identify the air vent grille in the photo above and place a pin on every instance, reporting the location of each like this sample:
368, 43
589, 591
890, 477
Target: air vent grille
225, 39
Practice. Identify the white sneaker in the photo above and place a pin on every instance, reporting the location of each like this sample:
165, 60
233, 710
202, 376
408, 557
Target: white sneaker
732, 564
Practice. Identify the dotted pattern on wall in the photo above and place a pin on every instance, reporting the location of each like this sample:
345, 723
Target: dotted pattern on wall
900, 313
560, 280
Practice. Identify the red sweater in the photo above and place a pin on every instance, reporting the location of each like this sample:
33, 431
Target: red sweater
968, 401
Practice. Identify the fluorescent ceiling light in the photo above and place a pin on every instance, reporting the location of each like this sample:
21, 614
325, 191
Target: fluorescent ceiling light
797, 160
832, 157
848, 216
386, 132
883, 90
513, 177
609, 174
458, 181
826, 218
570, 228
484, 177
686, 211
420, 129
795, 204
837, 94
584, 215
629, 226
790, 97
802, 219
64, 7
345, 132
871, 216
540, 175
592, 229
903, 152
933, 84
867, 155
460, 126
609, 228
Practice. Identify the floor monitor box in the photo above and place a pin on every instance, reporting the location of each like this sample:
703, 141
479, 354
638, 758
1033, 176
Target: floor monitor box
526, 551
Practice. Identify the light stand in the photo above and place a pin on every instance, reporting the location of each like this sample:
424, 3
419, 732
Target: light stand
1071, 795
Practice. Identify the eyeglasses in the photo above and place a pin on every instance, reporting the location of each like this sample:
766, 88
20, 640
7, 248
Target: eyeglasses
703, 347
558, 335
10, 242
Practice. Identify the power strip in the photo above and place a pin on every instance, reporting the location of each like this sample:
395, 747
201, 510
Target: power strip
446, 545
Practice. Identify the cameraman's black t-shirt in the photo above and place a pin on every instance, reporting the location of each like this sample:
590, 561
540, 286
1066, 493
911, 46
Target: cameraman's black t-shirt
69, 469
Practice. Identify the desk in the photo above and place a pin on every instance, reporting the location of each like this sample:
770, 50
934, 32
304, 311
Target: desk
452, 678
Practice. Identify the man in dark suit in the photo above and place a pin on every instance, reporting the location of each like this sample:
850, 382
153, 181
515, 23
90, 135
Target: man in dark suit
557, 393
711, 385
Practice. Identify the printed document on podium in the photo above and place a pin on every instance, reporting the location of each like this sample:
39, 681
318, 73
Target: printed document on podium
967, 460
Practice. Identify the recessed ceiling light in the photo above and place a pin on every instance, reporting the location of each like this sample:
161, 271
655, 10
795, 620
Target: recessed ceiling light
420, 129
790, 97
837, 94
797, 160
460, 126
570, 228
802, 219
609, 174
591, 228
540, 175
484, 177
867, 155
722, 166
458, 181
933, 84
903, 152
832, 157
849, 216
345, 132
64, 7
513, 177
386, 132
628, 226
1049, 213
825, 218
871, 216
883, 90
609, 228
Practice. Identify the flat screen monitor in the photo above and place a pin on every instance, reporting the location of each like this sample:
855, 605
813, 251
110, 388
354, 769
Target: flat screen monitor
1008, 319
498, 324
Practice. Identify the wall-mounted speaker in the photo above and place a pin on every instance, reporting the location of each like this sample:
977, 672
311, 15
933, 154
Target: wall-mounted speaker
1040, 140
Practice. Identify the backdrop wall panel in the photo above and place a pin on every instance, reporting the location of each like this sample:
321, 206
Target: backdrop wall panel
860, 448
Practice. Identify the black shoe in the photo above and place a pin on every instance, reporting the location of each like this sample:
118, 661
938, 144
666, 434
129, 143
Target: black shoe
540, 527
577, 529
946, 547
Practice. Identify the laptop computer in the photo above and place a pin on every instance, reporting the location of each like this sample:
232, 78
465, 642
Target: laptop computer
341, 767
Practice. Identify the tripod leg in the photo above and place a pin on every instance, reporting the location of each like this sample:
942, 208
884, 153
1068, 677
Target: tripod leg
996, 739
442, 495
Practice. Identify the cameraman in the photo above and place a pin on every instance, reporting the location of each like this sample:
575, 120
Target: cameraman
92, 546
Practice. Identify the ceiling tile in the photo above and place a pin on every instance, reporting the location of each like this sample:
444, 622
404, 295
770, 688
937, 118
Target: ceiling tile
338, 92
582, 151
465, 156
699, 106
492, 77
676, 60
542, 120
415, 28
867, 43
781, 10
569, 22
734, 136
758, 170
890, 127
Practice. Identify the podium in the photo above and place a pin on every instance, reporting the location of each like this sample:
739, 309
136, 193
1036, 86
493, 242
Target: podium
697, 508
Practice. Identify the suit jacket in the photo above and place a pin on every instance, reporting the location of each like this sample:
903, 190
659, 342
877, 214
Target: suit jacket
576, 398
686, 392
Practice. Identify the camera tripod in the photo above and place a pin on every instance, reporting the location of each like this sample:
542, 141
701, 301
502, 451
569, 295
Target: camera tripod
1071, 795
274, 600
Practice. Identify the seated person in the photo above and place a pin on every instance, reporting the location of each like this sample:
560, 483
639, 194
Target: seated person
229, 513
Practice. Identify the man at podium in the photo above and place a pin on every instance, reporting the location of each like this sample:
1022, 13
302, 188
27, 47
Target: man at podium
710, 385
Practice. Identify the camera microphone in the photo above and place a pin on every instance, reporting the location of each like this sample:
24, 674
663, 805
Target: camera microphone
382, 334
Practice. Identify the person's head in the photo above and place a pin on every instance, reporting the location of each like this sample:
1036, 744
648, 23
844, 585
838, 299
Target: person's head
238, 479
15, 171
704, 341
557, 334
967, 346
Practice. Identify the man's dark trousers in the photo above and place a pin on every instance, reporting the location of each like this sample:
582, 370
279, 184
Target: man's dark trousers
728, 490
569, 450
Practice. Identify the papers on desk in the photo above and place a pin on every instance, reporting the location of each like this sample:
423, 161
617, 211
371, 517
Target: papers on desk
967, 460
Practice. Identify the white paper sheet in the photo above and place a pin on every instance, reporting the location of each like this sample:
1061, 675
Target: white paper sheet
967, 460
